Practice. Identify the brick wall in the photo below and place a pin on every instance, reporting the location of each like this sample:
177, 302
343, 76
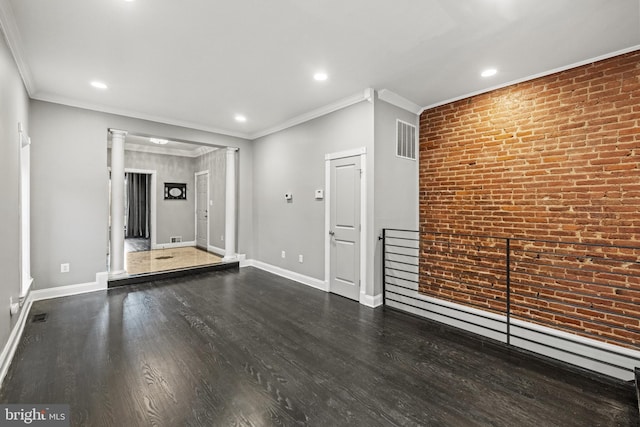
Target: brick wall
553, 159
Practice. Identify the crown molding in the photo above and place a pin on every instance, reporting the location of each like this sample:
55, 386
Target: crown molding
11, 33
56, 99
535, 76
399, 101
366, 94
200, 151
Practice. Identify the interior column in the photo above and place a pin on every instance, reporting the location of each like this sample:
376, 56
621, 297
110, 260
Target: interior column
117, 202
230, 206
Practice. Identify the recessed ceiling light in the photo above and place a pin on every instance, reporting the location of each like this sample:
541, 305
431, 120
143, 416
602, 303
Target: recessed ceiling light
489, 72
158, 141
320, 77
240, 118
98, 85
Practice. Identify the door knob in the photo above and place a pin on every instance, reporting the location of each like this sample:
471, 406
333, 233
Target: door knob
332, 233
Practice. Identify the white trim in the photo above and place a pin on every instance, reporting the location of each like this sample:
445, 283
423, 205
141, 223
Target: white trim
65, 291
195, 153
56, 99
399, 101
364, 229
362, 152
297, 277
14, 41
10, 347
204, 172
24, 210
314, 114
153, 202
174, 245
347, 153
370, 301
459, 316
533, 77
216, 250
327, 223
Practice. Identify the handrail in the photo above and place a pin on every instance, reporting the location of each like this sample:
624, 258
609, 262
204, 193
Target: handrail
584, 289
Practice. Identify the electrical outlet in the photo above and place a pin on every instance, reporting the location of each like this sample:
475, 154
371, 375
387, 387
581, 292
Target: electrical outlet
222, 238
64, 268
300, 259
284, 254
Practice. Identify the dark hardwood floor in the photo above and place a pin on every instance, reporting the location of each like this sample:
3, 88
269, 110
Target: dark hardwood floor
245, 348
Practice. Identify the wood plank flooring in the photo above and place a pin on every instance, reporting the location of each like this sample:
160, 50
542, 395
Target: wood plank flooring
249, 348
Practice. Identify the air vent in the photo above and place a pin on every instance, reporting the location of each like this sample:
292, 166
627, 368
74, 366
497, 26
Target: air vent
40, 317
405, 140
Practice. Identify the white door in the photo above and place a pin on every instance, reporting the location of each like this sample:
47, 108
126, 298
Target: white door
202, 210
344, 227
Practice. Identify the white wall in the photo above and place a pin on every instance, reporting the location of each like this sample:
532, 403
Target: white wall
70, 179
215, 163
396, 179
14, 108
293, 160
173, 217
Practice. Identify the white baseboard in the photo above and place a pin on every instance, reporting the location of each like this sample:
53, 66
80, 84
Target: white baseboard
367, 300
6, 356
65, 291
581, 351
9, 350
173, 245
216, 250
301, 278
372, 301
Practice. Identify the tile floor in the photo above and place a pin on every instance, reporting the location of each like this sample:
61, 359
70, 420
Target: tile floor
168, 259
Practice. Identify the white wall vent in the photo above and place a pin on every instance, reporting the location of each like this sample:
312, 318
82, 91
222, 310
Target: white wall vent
176, 239
405, 140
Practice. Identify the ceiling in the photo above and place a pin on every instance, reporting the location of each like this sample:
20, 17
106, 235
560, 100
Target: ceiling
198, 63
174, 148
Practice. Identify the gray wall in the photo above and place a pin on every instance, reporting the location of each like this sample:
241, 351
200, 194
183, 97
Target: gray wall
293, 160
69, 182
173, 217
396, 179
14, 108
215, 163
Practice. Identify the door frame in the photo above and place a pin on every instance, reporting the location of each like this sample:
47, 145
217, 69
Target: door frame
195, 207
362, 152
152, 201
24, 153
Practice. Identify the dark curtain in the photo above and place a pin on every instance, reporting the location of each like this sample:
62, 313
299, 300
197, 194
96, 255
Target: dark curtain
137, 204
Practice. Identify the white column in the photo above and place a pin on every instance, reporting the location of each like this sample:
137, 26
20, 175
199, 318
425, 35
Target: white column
117, 202
230, 207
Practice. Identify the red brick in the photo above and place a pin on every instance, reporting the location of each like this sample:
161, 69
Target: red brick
554, 158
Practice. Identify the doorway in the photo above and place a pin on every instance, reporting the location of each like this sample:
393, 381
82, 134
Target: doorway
164, 232
202, 210
344, 209
139, 209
